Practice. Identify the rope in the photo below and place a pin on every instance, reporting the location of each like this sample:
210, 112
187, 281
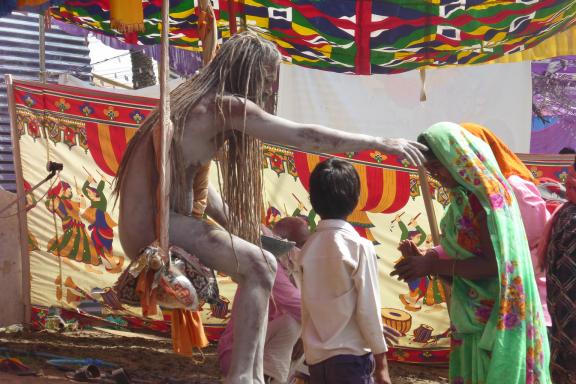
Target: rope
57, 235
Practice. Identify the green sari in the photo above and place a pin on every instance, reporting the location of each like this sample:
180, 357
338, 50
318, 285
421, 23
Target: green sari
498, 331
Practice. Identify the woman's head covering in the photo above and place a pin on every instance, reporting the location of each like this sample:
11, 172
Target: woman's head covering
507, 160
504, 311
469, 160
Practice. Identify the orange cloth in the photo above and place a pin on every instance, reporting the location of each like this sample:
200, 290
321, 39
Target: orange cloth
507, 160
200, 189
187, 332
146, 293
127, 16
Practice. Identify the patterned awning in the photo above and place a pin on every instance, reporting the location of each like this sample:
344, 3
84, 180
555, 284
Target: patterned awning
358, 36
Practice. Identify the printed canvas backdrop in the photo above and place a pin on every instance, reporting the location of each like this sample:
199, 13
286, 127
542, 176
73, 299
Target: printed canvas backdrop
554, 104
73, 239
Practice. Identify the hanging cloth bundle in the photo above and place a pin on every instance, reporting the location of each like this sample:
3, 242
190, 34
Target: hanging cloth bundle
127, 16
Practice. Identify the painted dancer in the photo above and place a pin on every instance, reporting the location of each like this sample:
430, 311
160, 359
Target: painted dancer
74, 243
101, 224
223, 110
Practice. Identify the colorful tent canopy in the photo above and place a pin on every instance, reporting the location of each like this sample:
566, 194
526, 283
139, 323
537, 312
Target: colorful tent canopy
359, 36
7, 6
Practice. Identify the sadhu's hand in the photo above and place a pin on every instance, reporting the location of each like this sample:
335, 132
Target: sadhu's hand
408, 149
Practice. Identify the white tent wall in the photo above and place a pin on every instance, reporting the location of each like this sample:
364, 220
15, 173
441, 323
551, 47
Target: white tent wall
498, 96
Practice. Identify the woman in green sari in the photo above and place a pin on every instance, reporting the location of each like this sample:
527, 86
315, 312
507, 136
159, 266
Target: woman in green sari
498, 332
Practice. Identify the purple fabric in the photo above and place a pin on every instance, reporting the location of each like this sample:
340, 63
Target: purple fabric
554, 104
343, 369
182, 61
70, 29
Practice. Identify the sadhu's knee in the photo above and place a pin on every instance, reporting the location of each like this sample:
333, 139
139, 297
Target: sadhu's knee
263, 269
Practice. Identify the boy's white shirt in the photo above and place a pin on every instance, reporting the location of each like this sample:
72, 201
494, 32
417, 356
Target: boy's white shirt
338, 278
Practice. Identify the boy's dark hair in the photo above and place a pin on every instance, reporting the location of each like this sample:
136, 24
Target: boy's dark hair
566, 151
334, 189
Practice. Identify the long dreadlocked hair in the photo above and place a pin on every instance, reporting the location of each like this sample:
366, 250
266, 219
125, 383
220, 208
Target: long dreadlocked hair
241, 67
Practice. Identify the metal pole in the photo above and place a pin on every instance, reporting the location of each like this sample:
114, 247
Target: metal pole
21, 198
42, 47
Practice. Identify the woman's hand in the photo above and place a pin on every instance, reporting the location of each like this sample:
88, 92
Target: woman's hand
414, 264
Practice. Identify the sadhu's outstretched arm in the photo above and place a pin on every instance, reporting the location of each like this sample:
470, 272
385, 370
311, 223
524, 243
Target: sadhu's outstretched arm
312, 137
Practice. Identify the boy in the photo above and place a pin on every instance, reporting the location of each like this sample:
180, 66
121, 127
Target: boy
341, 324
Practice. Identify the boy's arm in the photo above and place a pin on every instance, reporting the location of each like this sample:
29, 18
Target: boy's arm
368, 304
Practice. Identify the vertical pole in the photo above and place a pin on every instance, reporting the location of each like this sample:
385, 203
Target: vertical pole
429, 205
21, 198
232, 16
42, 47
362, 37
165, 127
210, 39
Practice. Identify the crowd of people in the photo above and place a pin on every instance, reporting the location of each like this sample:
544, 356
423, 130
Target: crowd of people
500, 251
324, 297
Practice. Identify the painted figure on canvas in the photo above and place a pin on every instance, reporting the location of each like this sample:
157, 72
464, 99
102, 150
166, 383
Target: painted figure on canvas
101, 224
72, 242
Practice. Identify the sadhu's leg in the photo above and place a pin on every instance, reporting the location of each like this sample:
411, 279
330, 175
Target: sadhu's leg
253, 269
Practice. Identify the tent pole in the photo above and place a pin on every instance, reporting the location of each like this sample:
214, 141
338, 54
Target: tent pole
429, 205
21, 199
42, 47
165, 128
210, 39
232, 16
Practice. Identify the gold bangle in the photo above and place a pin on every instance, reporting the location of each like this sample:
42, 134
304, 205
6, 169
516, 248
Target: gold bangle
453, 267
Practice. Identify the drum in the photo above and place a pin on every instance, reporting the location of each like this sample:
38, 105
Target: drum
423, 333
220, 309
397, 319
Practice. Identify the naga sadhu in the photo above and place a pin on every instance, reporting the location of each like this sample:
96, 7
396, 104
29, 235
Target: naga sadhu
224, 111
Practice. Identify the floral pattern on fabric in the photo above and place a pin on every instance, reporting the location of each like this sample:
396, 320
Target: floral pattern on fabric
484, 310
513, 305
499, 318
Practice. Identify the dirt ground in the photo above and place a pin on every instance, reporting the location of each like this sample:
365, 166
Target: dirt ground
147, 361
